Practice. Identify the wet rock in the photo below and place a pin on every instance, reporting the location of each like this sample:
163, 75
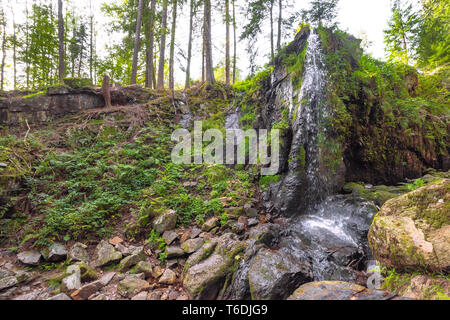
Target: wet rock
207, 269
174, 252
168, 277
8, 282
60, 297
57, 252
273, 275
413, 231
169, 237
165, 221
337, 290
30, 258
106, 254
131, 286
267, 234
210, 224
192, 245
78, 252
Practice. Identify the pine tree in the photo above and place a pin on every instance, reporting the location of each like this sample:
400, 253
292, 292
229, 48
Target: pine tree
162, 47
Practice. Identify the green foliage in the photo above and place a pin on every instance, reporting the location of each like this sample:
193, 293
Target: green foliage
400, 37
418, 183
266, 181
321, 12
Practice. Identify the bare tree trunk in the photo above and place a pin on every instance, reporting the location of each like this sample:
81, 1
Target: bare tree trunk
235, 42
162, 48
151, 37
189, 54
272, 50
14, 39
136, 43
106, 90
227, 42
91, 42
209, 72
3, 21
61, 41
280, 21
172, 46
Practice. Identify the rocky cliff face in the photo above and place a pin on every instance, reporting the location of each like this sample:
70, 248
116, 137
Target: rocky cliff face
347, 117
60, 101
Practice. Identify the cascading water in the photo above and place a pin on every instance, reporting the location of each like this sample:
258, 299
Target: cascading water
311, 111
327, 232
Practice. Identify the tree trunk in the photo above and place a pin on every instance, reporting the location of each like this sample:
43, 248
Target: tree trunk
136, 43
91, 44
61, 41
151, 40
2, 80
227, 42
172, 46
235, 42
162, 48
280, 21
209, 71
189, 53
272, 50
14, 46
106, 90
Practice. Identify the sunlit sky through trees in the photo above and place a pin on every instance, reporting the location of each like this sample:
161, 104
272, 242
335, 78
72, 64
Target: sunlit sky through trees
358, 17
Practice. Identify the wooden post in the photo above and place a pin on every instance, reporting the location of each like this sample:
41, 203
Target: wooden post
106, 90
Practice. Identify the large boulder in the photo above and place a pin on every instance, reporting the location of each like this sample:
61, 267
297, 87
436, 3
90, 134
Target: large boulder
207, 270
337, 290
412, 232
273, 275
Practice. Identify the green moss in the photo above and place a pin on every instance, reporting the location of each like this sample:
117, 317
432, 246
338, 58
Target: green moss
78, 82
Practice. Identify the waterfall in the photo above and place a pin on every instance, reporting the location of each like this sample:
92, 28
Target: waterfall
305, 184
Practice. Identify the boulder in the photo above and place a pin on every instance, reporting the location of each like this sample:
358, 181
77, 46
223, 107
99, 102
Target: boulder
169, 237
210, 224
207, 270
8, 282
128, 262
30, 258
168, 277
131, 286
144, 267
273, 275
412, 232
78, 252
57, 252
337, 290
165, 221
71, 283
192, 245
106, 254
174, 252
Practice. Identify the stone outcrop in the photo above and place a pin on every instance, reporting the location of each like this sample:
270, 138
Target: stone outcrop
207, 270
412, 232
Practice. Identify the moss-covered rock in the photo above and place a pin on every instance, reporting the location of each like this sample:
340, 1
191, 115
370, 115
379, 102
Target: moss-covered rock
208, 271
412, 232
